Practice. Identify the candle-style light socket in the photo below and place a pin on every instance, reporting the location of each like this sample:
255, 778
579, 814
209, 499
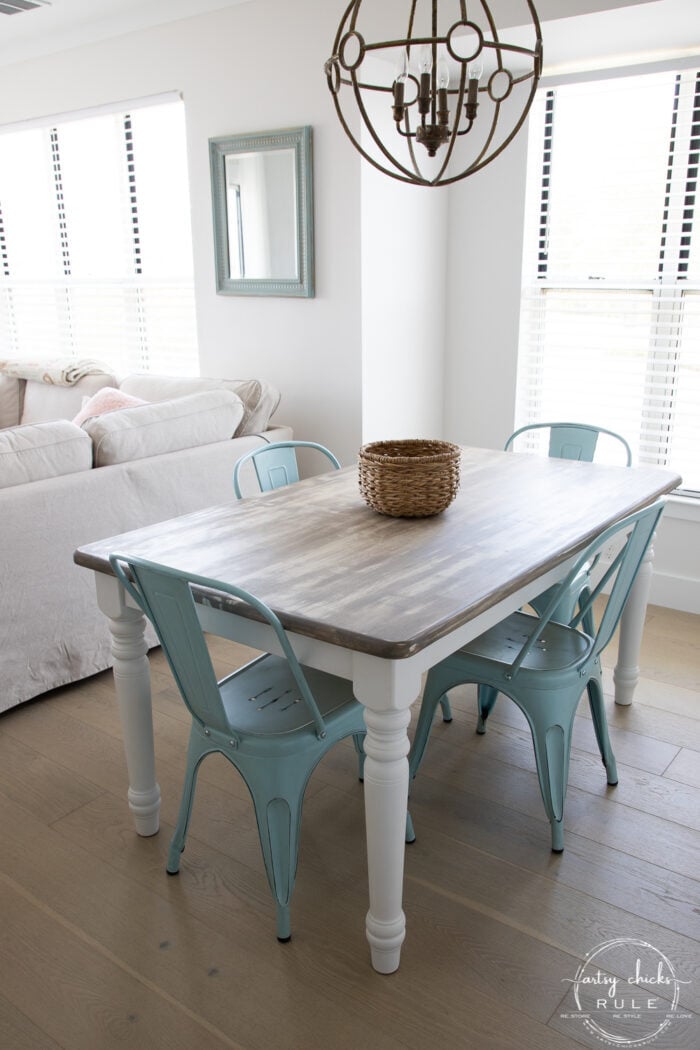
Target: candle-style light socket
443, 113
398, 101
424, 94
472, 103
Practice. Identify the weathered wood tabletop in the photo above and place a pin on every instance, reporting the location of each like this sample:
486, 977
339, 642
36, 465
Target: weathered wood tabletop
335, 570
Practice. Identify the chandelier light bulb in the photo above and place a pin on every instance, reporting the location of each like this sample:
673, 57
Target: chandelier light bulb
403, 70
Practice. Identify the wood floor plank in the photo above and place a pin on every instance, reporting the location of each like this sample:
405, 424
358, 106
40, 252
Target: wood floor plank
17, 1032
88, 1000
39, 782
685, 768
70, 742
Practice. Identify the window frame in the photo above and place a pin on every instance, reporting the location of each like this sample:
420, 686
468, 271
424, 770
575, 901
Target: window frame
670, 289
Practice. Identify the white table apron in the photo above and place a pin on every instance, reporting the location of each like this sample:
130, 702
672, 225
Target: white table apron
386, 688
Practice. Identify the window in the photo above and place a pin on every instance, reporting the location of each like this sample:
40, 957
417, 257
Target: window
95, 240
610, 313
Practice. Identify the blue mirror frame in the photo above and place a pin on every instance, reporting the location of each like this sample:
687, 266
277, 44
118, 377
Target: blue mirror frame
300, 141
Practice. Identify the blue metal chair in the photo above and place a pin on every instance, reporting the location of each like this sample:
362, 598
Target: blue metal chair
544, 667
577, 441
571, 440
276, 464
273, 719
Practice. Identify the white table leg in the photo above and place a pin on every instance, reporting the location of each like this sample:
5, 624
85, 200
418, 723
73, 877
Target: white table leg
386, 799
132, 683
626, 673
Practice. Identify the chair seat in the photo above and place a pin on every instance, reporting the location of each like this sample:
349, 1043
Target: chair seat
263, 698
558, 649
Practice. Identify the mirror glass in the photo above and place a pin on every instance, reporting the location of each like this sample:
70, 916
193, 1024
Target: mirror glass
262, 199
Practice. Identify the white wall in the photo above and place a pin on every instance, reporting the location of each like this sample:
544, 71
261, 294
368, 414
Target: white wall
485, 257
251, 68
404, 301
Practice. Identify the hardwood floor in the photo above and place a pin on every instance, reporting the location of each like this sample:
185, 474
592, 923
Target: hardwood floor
99, 949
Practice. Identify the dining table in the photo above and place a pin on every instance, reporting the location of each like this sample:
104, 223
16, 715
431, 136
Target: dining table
375, 599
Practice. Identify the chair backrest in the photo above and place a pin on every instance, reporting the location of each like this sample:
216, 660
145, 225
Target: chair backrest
619, 577
166, 597
571, 440
276, 464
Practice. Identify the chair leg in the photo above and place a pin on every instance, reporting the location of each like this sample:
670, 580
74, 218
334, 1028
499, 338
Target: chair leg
487, 696
195, 754
432, 695
600, 724
551, 737
358, 741
279, 820
446, 709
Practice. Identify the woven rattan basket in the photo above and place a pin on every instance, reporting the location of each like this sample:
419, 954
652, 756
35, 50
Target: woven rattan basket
411, 478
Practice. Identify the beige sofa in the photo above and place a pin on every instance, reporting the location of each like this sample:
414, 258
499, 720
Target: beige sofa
64, 485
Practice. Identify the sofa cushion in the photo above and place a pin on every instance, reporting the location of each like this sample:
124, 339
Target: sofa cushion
36, 451
259, 398
108, 399
166, 426
11, 390
44, 401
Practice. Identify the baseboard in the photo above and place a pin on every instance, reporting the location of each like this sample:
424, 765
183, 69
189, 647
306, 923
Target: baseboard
675, 592
669, 591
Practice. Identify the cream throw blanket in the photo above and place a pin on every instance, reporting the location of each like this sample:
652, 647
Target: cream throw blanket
58, 373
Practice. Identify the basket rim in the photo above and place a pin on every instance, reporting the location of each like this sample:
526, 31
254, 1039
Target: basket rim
387, 451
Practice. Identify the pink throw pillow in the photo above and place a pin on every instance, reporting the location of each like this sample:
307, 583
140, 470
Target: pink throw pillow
108, 399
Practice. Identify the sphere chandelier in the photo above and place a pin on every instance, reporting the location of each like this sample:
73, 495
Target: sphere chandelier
440, 102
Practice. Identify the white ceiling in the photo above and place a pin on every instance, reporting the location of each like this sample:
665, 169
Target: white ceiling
70, 23
645, 25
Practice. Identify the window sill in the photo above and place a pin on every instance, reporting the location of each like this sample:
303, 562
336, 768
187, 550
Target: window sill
686, 508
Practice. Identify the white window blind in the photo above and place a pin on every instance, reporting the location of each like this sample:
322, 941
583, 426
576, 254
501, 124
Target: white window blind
610, 314
95, 241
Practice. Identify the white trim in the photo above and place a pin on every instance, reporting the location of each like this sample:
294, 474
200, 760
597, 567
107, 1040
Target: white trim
686, 508
675, 592
628, 68
123, 106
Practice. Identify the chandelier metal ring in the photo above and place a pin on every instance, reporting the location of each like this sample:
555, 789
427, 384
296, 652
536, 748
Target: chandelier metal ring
496, 76
333, 75
352, 37
451, 33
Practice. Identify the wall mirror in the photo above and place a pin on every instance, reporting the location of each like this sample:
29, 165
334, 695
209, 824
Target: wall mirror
262, 196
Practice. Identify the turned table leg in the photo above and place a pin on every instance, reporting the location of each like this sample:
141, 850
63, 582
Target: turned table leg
132, 683
386, 800
626, 673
